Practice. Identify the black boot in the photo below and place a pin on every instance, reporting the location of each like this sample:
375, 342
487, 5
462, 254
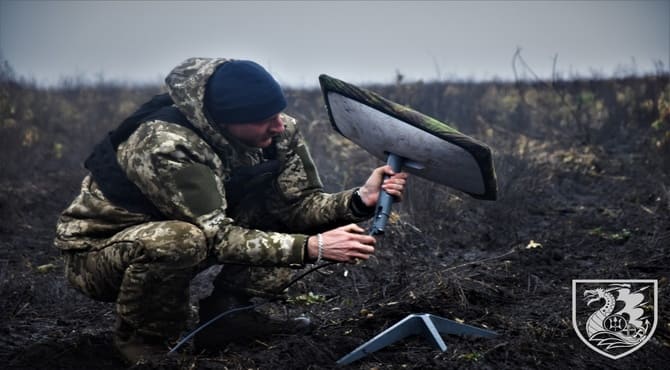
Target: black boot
135, 347
242, 324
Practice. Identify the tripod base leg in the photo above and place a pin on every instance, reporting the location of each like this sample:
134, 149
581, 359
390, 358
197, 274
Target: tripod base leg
428, 325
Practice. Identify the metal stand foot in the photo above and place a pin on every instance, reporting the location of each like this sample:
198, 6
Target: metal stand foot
430, 326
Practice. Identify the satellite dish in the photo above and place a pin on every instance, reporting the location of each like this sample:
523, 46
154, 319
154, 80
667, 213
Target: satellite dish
422, 145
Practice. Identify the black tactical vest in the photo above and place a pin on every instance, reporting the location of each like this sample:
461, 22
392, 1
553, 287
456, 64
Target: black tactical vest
115, 185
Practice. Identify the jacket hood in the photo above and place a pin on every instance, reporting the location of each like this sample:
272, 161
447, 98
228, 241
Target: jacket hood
186, 85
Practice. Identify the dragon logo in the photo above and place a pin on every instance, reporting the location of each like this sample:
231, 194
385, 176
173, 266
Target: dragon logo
615, 317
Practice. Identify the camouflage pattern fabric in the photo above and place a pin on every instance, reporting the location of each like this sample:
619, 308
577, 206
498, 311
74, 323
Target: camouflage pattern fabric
147, 270
146, 262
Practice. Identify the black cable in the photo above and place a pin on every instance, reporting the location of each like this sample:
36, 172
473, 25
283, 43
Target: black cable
372, 231
243, 308
199, 328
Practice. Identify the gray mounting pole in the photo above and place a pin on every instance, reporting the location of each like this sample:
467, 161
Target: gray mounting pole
428, 325
385, 201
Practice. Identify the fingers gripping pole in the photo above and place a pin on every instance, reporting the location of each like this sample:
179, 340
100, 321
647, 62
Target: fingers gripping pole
385, 202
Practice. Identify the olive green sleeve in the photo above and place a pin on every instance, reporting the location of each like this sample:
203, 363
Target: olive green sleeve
183, 177
197, 184
301, 202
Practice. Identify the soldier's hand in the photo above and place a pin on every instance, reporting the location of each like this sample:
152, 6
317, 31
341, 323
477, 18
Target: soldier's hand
344, 244
394, 185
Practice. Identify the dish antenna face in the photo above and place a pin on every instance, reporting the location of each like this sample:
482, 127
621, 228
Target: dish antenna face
425, 146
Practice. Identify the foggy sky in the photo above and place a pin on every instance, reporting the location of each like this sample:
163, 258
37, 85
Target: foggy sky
355, 41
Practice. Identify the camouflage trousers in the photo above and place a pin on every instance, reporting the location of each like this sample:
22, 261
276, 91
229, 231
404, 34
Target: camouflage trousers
147, 269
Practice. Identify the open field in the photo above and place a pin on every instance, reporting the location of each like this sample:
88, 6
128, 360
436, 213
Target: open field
583, 169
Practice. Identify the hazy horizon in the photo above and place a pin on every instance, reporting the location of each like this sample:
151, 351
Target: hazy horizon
361, 42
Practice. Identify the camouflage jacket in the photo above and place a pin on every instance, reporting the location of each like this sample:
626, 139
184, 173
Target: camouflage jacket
184, 174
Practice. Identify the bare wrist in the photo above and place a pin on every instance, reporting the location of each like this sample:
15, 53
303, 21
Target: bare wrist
312, 249
364, 194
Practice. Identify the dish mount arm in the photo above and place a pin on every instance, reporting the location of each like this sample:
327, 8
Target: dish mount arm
385, 201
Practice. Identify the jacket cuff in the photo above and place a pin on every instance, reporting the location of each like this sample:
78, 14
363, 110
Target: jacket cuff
358, 208
296, 258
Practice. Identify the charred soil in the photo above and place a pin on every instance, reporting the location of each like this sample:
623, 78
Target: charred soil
584, 194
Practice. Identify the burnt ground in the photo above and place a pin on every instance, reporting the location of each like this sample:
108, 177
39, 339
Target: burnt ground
599, 208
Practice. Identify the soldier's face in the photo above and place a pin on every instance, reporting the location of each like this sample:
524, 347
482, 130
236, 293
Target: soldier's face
257, 134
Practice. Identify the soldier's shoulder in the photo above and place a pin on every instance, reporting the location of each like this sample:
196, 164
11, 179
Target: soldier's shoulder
161, 138
157, 132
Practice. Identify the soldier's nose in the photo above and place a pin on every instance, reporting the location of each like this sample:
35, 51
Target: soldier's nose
277, 126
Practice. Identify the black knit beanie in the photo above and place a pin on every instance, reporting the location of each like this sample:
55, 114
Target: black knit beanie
241, 91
